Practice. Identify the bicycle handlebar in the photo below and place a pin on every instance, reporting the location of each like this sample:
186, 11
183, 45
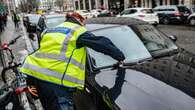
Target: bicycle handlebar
14, 40
5, 46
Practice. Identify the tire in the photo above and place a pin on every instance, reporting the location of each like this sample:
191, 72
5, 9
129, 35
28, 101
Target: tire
166, 21
155, 25
8, 75
192, 21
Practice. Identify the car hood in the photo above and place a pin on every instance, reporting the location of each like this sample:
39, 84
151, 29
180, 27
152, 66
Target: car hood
134, 90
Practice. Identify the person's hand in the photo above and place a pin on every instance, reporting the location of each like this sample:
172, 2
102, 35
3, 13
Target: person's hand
121, 63
33, 90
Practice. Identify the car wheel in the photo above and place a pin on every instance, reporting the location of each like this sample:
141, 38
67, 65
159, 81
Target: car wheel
192, 22
155, 25
166, 21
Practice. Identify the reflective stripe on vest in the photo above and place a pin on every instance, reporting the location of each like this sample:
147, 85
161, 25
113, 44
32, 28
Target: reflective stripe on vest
60, 58
33, 65
52, 73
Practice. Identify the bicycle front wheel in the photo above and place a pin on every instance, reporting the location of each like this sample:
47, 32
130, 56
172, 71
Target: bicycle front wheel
8, 75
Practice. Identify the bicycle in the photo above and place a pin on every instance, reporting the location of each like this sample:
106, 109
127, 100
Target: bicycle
15, 90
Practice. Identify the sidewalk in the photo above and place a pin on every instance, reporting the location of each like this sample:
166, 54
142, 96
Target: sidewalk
8, 35
20, 49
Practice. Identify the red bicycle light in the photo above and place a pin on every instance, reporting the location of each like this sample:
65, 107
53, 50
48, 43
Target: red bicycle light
5, 46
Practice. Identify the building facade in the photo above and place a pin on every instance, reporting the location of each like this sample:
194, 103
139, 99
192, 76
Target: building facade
123, 4
7, 5
91, 4
153, 3
47, 4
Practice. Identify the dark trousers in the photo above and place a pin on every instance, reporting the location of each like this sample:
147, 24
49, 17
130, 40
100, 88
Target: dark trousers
52, 96
16, 24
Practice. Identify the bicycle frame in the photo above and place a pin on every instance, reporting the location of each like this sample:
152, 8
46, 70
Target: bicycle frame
19, 85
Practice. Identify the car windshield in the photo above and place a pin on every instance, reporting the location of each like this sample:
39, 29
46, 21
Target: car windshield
54, 21
85, 11
147, 11
126, 40
155, 41
134, 46
34, 18
183, 9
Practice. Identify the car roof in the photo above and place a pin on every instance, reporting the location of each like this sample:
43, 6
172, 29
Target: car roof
114, 21
169, 6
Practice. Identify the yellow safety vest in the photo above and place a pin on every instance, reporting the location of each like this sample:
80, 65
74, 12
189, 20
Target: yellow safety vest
57, 60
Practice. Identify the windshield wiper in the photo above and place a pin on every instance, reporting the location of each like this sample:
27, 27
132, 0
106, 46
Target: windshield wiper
124, 65
165, 54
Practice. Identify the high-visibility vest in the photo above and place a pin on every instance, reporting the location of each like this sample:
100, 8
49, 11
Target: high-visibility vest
17, 18
57, 60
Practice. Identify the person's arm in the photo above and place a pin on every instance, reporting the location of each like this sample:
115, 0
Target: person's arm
100, 44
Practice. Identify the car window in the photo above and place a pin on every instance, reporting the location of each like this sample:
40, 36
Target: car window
125, 12
169, 9
33, 19
183, 9
132, 11
165, 9
159, 9
126, 40
147, 11
154, 40
41, 23
54, 21
85, 12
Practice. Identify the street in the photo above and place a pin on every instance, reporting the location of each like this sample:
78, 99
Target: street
185, 35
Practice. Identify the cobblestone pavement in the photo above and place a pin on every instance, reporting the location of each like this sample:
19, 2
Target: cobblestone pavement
185, 35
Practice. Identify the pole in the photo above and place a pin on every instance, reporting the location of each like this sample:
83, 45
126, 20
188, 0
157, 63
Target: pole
8, 6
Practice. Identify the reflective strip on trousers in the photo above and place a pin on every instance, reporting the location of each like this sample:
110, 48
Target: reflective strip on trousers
52, 73
60, 58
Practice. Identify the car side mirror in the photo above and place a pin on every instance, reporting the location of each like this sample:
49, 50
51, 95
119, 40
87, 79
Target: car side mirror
173, 38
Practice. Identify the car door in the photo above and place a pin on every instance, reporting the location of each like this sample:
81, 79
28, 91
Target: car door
148, 15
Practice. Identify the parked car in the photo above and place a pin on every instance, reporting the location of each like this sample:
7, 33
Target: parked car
172, 13
192, 9
105, 13
145, 14
48, 21
30, 21
191, 19
85, 13
110, 86
95, 12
